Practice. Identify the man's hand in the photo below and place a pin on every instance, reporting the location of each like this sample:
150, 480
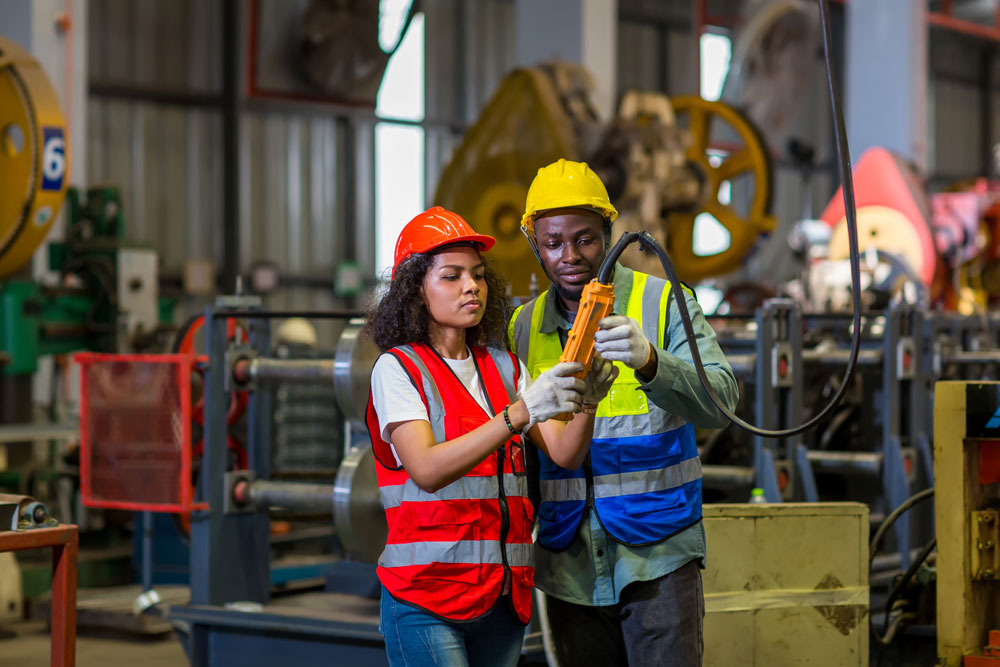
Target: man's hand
554, 392
621, 339
598, 381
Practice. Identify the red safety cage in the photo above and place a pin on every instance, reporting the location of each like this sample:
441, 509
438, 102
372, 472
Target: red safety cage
135, 431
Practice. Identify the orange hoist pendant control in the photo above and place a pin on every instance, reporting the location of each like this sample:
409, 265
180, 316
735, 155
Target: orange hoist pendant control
596, 303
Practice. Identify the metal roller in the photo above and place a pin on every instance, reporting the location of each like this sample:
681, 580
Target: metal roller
284, 371
357, 509
352, 368
264, 493
846, 462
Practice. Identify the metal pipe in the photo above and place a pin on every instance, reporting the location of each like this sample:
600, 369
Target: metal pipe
838, 356
281, 314
869, 462
962, 26
265, 493
972, 357
288, 371
719, 474
744, 364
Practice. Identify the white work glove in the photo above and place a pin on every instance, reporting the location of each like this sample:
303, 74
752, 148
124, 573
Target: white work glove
621, 339
598, 381
554, 392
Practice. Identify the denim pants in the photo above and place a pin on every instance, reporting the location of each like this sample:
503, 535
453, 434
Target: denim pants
415, 638
656, 622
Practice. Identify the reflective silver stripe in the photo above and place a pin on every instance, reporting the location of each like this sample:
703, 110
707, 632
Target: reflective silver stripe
652, 318
654, 422
647, 481
522, 328
520, 554
479, 488
506, 367
471, 552
563, 490
435, 406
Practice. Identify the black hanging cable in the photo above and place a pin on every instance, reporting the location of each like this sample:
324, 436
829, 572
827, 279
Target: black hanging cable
844, 163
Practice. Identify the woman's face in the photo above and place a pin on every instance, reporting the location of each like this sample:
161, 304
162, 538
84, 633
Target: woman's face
455, 288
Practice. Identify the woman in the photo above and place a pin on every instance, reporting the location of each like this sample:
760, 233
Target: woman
446, 414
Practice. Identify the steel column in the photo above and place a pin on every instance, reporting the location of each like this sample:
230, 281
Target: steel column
230, 555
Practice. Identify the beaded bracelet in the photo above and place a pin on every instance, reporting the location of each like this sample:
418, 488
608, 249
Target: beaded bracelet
506, 420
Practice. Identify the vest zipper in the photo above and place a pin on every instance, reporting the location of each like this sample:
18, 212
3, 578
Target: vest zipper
504, 518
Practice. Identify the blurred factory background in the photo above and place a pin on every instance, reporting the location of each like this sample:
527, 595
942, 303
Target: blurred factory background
199, 199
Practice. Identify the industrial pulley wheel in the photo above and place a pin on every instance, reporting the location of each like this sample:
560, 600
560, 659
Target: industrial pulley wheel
352, 369
357, 507
730, 160
33, 156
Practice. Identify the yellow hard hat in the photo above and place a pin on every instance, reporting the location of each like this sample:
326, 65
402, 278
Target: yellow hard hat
564, 184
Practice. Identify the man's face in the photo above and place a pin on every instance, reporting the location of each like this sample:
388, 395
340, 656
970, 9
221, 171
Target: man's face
571, 245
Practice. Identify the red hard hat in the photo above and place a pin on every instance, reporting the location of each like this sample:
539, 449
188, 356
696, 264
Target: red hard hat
434, 228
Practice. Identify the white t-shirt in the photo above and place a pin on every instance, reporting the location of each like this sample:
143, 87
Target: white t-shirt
397, 400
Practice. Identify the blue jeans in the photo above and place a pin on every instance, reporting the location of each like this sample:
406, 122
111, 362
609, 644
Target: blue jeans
415, 638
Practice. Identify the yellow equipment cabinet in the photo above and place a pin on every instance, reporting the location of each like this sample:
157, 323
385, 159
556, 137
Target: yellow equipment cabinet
786, 584
966, 509
34, 156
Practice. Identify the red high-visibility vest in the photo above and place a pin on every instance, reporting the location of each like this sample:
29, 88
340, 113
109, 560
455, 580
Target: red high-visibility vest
450, 552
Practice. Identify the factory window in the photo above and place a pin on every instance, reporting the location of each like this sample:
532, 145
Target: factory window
715, 53
399, 148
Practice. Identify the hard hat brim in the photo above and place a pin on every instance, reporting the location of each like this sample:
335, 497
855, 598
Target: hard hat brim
482, 242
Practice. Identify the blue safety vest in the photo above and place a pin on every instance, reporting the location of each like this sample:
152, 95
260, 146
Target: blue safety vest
644, 477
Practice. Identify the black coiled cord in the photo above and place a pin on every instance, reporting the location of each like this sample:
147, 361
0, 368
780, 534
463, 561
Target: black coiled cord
844, 164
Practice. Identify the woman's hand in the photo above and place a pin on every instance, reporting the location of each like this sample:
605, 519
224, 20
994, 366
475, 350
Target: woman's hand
554, 392
598, 381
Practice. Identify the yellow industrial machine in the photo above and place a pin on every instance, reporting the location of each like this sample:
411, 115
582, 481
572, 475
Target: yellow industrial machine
967, 520
663, 161
34, 156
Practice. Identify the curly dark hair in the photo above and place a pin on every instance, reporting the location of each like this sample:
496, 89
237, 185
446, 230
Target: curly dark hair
400, 317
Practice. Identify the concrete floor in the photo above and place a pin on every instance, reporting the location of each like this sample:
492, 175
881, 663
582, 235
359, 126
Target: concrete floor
31, 649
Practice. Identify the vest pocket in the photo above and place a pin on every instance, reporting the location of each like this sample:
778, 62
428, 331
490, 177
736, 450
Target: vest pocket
625, 397
449, 533
642, 506
651, 454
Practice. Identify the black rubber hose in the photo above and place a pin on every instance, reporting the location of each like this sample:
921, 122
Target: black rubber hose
883, 527
677, 290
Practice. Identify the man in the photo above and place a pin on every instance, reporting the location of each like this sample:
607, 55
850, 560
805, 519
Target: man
620, 541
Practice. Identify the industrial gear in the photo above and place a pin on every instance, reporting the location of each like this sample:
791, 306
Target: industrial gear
598, 381
450, 552
565, 184
296, 330
554, 392
434, 228
34, 156
621, 339
634, 439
